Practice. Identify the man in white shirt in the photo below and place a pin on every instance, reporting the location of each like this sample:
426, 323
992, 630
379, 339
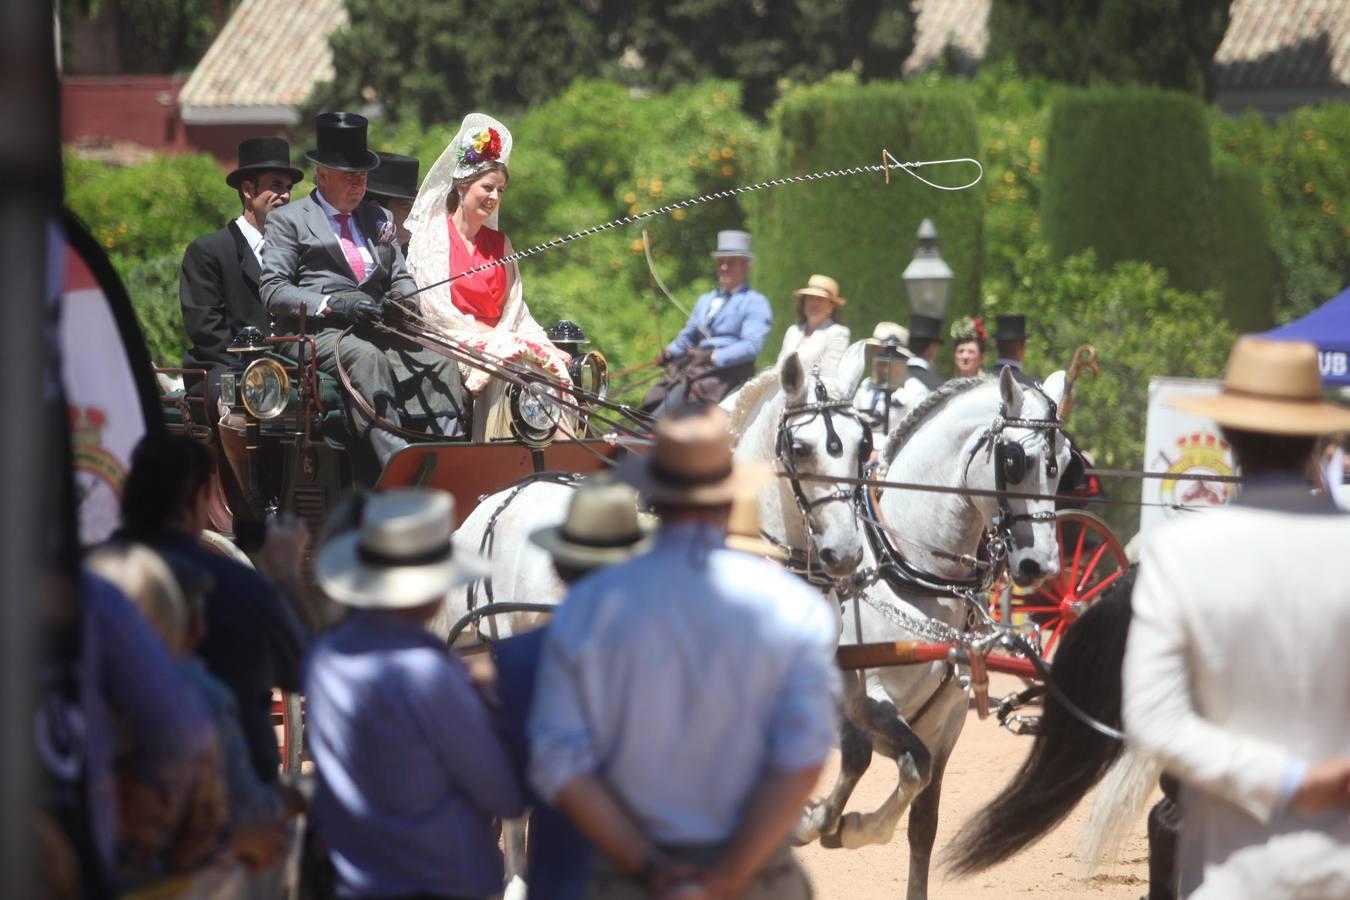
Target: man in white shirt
218, 281
1235, 667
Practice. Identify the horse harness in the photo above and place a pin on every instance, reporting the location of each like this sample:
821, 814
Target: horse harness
489, 538
787, 447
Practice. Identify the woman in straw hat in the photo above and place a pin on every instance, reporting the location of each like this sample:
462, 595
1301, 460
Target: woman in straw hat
454, 230
818, 337
687, 697
1235, 666
410, 771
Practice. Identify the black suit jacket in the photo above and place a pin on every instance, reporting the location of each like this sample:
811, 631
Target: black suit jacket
1020, 377
218, 291
927, 377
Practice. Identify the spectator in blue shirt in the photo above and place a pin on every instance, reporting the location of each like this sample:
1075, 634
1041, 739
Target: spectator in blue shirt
686, 699
715, 351
410, 773
602, 528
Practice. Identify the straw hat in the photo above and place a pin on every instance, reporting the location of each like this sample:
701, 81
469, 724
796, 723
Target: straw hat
822, 286
1272, 387
744, 531
891, 331
401, 555
602, 527
692, 464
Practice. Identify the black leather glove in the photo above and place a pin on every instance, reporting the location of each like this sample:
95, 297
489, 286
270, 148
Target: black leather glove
355, 308
397, 307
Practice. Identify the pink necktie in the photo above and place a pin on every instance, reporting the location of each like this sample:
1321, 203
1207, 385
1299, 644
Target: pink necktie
349, 248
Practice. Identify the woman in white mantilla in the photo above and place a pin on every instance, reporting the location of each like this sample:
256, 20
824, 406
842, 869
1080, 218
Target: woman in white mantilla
454, 230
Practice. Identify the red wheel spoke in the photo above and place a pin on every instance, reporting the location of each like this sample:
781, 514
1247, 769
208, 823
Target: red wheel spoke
1038, 610
1071, 577
1091, 567
1102, 585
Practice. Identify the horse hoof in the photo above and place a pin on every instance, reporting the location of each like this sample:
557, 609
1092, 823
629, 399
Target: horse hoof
808, 827
851, 834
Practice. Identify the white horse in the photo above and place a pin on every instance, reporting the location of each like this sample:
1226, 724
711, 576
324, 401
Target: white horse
914, 714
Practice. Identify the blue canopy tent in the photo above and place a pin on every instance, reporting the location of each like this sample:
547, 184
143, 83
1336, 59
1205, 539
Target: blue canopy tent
1328, 327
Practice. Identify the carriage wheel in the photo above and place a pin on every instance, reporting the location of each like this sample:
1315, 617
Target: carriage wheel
1090, 559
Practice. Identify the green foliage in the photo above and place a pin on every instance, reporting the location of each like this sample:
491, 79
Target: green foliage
858, 229
434, 62
1141, 327
1160, 43
153, 288
150, 210
153, 36
1306, 185
1110, 188
1244, 264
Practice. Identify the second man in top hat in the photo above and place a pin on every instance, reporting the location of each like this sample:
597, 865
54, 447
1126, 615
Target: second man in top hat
337, 259
393, 185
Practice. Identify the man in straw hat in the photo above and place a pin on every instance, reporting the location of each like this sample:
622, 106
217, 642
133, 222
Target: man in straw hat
686, 698
715, 351
602, 528
410, 771
337, 259
1254, 721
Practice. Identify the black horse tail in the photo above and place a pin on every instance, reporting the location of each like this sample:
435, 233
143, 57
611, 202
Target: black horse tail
1068, 758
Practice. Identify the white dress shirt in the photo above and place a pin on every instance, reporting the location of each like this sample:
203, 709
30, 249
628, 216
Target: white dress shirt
251, 235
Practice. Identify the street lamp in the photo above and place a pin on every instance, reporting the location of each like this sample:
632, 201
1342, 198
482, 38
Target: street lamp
928, 278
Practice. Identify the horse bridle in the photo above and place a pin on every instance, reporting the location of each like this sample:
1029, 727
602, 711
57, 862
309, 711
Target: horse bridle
1010, 460
785, 444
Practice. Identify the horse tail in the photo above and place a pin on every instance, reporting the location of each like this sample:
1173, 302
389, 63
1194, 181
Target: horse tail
1117, 805
1067, 757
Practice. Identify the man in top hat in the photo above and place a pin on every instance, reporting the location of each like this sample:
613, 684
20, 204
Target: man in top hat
715, 351
1010, 339
410, 771
925, 341
602, 528
218, 281
337, 259
393, 185
1235, 667
686, 699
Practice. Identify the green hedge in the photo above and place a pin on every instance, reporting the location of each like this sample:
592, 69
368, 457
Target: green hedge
857, 229
1244, 264
1128, 175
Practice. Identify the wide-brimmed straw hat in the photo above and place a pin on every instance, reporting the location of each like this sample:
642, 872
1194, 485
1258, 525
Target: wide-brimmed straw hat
401, 555
1272, 387
822, 286
603, 527
691, 462
745, 532
481, 140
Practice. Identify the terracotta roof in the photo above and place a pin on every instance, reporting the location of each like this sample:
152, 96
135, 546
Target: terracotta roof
961, 23
264, 61
1285, 43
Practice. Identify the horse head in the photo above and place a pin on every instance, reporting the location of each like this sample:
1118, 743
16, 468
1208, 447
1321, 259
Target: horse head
819, 433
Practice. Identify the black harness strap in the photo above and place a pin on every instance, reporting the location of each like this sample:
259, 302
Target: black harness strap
489, 538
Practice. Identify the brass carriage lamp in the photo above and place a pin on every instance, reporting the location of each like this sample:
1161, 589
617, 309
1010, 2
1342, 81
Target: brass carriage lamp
928, 278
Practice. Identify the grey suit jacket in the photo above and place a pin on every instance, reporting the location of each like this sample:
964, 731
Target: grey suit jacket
303, 261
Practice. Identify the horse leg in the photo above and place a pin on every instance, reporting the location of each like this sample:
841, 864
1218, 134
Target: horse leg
513, 852
822, 817
893, 737
923, 822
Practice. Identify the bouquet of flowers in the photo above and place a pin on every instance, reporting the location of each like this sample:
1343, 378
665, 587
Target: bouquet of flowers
969, 328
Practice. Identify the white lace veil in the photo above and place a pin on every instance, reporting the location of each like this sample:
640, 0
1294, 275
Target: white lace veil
429, 247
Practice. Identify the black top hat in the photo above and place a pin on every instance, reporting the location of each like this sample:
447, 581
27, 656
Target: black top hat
396, 177
1010, 328
342, 143
924, 328
263, 154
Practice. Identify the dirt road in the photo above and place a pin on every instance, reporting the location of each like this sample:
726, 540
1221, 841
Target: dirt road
984, 760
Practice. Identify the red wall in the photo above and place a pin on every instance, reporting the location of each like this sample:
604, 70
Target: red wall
143, 109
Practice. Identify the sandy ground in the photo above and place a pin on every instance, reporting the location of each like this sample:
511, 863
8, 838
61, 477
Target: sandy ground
983, 761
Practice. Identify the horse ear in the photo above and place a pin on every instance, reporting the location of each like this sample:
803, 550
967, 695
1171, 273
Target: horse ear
793, 377
1010, 391
1053, 386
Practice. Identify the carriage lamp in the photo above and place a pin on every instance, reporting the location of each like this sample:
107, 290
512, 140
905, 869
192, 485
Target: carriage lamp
535, 414
889, 371
928, 278
266, 388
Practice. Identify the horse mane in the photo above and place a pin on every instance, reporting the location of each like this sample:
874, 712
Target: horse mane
935, 400
749, 397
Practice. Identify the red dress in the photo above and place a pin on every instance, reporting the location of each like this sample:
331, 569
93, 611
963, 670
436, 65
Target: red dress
483, 294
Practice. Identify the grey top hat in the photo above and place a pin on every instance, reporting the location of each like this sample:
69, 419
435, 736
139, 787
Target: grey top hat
733, 243
395, 177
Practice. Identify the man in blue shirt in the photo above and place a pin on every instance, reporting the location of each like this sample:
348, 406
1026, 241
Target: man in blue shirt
686, 699
410, 773
715, 351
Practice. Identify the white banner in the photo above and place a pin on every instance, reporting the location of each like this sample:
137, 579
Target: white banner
1177, 442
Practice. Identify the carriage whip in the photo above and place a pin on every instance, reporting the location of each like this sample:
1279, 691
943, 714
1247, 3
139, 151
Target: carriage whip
888, 163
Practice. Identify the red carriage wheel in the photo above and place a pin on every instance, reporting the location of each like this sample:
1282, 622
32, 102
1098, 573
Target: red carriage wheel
1090, 559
